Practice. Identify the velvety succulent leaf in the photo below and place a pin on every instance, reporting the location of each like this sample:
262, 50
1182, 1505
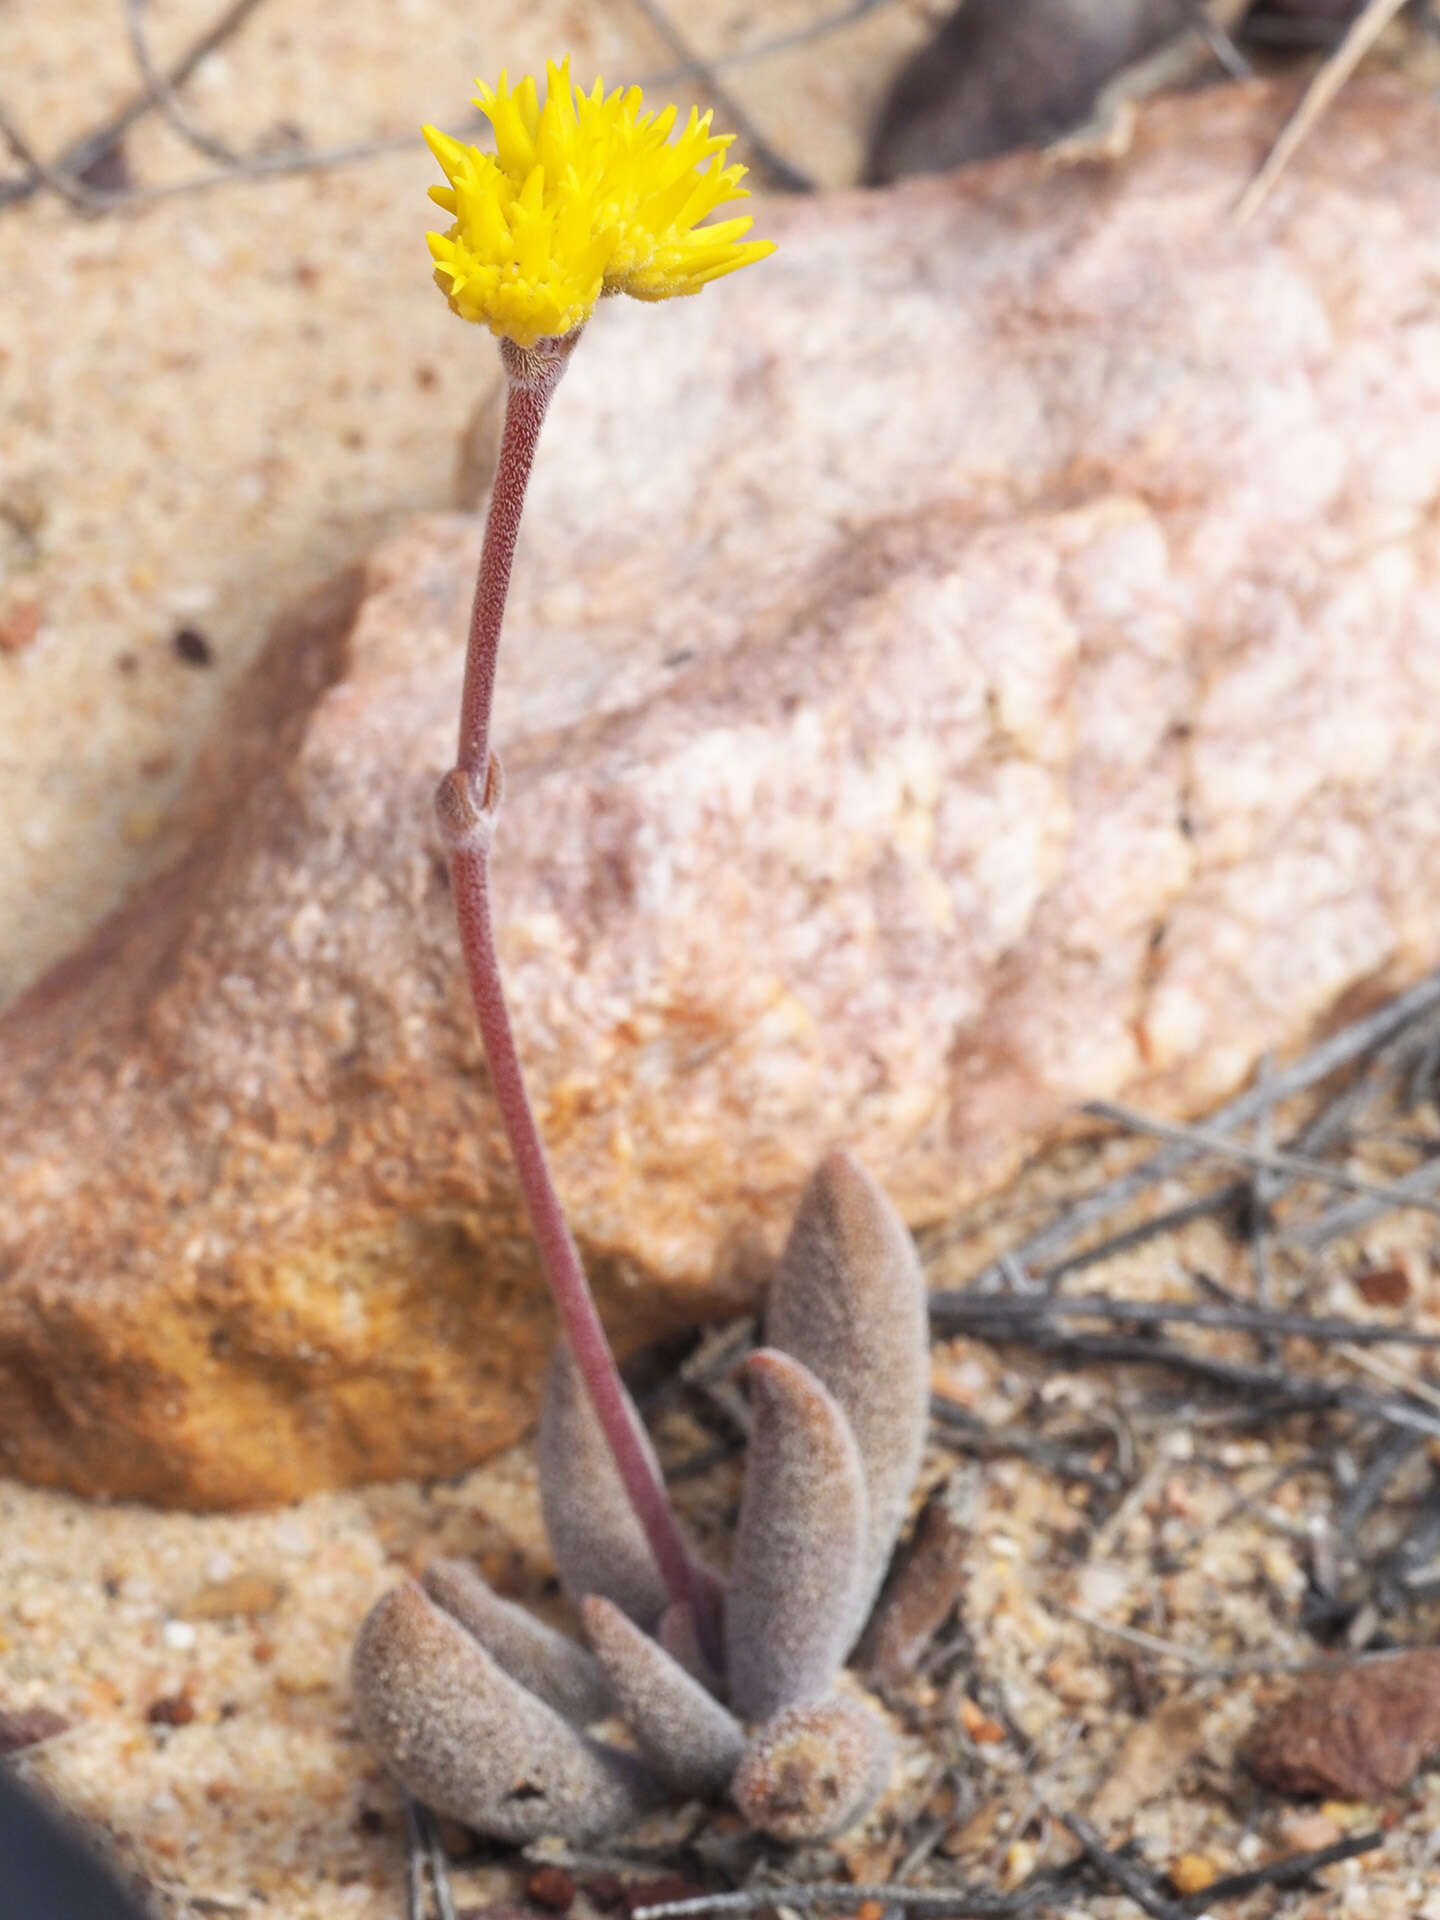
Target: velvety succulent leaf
799, 1543
461, 1735
546, 1663
683, 1731
676, 1633
599, 1545
849, 1300
810, 1772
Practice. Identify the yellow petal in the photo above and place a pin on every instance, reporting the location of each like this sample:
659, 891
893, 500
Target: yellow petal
588, 191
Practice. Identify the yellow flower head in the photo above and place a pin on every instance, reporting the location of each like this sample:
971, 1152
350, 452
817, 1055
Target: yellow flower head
583, 196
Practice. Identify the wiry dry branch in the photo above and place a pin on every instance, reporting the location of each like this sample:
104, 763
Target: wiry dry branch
76, 172
1358, 1041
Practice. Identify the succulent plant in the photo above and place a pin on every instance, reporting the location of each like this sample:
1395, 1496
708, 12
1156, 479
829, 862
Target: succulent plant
482, 1712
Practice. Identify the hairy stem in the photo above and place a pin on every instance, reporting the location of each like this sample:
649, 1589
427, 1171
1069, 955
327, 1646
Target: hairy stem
467, 804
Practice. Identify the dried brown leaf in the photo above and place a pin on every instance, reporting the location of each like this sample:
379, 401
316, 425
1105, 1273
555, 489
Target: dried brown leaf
923, 1586
1151, 1759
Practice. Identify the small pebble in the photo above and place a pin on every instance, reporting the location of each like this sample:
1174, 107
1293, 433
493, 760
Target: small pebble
1309, 1832
550, 1887
1191, 1873
171, 1710
192, 647
243, 1595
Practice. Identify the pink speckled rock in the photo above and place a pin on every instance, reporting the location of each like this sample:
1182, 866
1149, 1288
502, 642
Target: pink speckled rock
986, 657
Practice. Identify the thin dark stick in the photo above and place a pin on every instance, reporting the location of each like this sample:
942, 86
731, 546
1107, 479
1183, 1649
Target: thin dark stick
1350, 1215
1410, 1567
439, 1866
1264, 1189
65, 176
77, 159
93, 200
1269, 1393
1299, 1166
1137, 1881
423, 1851
780, 170
1359, 1038
166, 99
1364, 30
1396, 1448
1293, 1871
1228, 56
980, 1902
965, 1433
1043, 1889
75, 192
1322, 1131
1201, 1664
821, 29
993, 1314
1204, 1207
414, 1862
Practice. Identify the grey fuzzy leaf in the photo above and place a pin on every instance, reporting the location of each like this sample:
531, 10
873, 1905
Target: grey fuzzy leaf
599, 1545
676, 1633
546, 1663
810, 1772
469, 1741
849, 1300
686, 1735
799, 1543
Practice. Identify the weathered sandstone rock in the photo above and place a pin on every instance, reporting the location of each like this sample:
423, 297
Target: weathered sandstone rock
985, 657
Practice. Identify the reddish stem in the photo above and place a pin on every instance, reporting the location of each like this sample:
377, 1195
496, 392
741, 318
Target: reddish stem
468, 801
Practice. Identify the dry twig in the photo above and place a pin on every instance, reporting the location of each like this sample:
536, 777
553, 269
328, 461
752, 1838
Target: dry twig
1133, 1879
995, 1315
962, 1901
1339, 1050
781, 172
166, 97
77, 160
425, 1856
1299, 1166
1294, 1870
1365, 30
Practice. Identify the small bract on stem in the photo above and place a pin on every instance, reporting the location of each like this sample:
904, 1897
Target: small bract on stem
583, 196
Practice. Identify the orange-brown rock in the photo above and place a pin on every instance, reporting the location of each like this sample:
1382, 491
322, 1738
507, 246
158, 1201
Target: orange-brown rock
1356, 1734
988, 656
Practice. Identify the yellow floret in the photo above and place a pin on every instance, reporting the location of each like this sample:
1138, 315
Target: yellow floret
583, 196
